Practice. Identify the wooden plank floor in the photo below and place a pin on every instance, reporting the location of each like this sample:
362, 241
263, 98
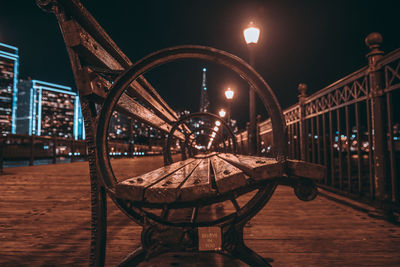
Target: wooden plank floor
44, 221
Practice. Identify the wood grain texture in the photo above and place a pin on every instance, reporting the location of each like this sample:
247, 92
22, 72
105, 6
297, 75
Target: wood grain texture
227, 177
168, 189
133, 188
257, 168
198, 185
263, 168
305, 169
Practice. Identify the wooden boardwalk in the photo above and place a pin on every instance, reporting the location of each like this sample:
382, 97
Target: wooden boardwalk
44, 221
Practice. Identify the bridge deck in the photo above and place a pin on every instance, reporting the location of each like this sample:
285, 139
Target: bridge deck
44, 221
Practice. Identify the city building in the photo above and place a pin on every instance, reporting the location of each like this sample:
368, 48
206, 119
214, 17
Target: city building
9, 61
48, 109
125, 129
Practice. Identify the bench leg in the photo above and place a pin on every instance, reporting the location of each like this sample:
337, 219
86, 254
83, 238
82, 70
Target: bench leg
235, 247
249, 257
134, 258
98, 225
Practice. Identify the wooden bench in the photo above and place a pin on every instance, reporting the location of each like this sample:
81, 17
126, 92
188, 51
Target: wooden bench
172, 203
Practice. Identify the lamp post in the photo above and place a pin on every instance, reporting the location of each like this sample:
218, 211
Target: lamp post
229, 96
251, 35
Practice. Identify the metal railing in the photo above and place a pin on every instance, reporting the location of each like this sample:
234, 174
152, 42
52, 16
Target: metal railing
19, 147
352, 127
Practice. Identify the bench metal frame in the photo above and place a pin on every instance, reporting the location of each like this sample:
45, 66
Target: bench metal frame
104, 76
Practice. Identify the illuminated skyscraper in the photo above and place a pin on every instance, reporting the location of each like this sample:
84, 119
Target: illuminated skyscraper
48, 109
8, 87
204, 103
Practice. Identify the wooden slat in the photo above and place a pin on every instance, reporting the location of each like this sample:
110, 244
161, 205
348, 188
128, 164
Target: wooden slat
263, 168
198, 185
234, 160
168, 190
257, 168
145, 115
130, 107
149, 88
305, 169
227, 177
95, 55
79, 13
204, 156
133, 188
87, 47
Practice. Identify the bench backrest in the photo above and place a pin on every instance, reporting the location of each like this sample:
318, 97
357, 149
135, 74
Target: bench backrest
96, 61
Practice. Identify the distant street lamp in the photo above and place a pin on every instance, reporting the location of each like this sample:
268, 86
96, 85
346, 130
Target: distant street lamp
229, 95
222, 113
251, 36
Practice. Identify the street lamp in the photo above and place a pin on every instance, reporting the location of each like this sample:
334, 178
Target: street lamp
222, 113
229, 95
251, 33
251, 36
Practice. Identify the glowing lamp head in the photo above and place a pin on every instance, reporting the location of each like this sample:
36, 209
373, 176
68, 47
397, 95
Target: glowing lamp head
229, 93
222, 113
213, 134
216, 128
217, 123
251, 33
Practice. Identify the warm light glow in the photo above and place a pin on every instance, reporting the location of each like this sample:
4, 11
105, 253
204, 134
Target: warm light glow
251, 34
222, 113
213, 134
218, 123
216, 128
229, 93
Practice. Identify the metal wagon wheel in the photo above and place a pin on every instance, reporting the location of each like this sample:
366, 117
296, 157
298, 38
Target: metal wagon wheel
138, 211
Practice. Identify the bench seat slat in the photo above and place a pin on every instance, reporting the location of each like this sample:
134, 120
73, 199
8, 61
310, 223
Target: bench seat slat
227, 177
263, 168
257, 168
198, 185
305, 169
168, 190
133, 188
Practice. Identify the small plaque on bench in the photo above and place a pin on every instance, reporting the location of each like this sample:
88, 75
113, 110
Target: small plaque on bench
210, 238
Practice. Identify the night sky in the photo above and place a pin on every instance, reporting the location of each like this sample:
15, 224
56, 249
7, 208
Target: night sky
315, 42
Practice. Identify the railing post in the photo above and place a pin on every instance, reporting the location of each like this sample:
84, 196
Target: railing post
1, 153
32, 150
54, 150
302, 87
379, 127
258, 135
72, 150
